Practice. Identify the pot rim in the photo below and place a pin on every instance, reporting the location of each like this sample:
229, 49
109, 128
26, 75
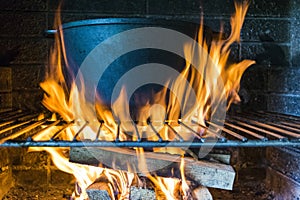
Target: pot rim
135, 21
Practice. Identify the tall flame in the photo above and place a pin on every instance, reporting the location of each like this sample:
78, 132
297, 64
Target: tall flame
69, 102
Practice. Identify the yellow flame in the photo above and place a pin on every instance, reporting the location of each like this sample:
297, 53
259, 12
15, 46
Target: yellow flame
69, 102
171, 188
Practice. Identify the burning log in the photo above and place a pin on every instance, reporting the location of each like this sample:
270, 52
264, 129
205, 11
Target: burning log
102, 189
204, 173
109, 185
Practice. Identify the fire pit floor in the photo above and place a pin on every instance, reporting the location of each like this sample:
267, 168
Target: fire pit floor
249, 190
38, 193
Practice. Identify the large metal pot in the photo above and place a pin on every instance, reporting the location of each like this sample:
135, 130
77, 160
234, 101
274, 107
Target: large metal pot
81, 37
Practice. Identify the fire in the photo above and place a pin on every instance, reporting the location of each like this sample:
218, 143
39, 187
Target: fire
68, 100
171, 188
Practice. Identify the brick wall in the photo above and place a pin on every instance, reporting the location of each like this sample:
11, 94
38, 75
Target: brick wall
271, 38
36, 169
22, 25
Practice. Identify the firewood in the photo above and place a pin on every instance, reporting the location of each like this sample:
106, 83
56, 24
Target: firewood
102, 188
223, 158
97, 191
95, 194
202, 193
141, 193
204, 173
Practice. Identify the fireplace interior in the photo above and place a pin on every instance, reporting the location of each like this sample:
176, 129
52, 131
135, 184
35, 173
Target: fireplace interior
270, 91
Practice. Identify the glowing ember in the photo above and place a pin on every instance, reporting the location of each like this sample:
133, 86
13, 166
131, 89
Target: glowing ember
69, 102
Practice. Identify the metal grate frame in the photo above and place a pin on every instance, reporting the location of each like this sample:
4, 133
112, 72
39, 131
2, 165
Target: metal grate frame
247, 129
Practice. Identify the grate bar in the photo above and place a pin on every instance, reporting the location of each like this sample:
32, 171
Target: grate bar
291, 124
247, 131
80, 130
155, 131
287, 127
260, 129
98, 131
175, 132
137, 131
7, 123
265, 125
240, 137
22, 131
54, 123
118, 132
13, 115
151, 144
283, 116
61, 130
22, 117
7, 114
192, 130
14, 126
219, 136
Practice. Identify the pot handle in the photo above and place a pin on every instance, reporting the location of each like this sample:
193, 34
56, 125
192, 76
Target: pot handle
50, 33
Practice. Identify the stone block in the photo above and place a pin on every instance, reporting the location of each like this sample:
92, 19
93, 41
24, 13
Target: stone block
284, 103
4, 158
265, 8
30, 177
24, 24
174, 7
103, 6
15, 155
35, 159
218, 24
253, 100
255, 78
266, 53
6, 181
283, 186
5, 88
27, 76
295, 41
284, 160
60, 178
5, 101
28, 5
284, 80
234, 55
31, 50
266, 29
5, 79
28, 99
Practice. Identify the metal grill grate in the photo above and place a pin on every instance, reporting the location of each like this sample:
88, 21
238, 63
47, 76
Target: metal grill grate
250, 129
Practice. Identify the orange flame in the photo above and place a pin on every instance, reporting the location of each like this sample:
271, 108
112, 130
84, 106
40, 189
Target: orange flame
70, 104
